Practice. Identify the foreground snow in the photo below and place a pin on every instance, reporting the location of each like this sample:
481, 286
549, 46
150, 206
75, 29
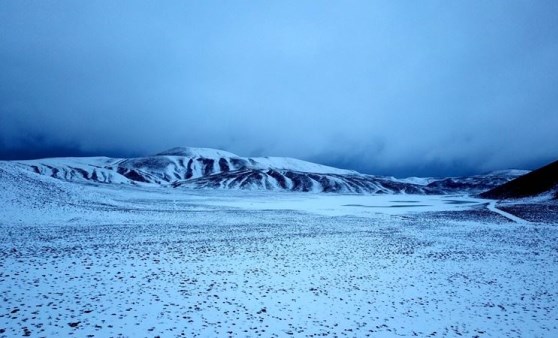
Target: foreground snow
121, 261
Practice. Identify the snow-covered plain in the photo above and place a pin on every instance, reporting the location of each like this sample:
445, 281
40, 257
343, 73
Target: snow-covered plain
122, 261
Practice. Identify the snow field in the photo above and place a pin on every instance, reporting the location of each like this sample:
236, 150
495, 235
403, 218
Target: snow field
120, 262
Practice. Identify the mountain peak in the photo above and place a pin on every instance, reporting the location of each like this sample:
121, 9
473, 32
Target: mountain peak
196, 152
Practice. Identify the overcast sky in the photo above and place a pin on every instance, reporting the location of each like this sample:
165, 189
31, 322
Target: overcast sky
384, 87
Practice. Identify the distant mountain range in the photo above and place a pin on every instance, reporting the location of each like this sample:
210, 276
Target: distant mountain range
203, 168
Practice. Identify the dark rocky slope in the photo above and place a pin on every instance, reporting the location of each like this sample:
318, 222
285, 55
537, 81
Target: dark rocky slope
538, 182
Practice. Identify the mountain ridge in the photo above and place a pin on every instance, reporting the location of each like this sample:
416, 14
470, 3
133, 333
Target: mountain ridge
206, 168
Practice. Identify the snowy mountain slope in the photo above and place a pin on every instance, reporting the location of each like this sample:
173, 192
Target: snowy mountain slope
281, 179
204, 168
22, 191
542, 181
78, 169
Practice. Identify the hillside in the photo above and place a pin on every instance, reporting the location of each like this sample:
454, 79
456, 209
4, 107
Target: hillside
543, 181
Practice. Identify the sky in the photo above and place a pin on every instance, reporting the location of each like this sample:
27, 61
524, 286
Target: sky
402, 88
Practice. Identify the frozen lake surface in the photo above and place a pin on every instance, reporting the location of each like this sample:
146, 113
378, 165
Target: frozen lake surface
91, 261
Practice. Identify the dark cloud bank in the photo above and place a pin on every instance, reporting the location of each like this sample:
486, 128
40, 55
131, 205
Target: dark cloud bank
426, 88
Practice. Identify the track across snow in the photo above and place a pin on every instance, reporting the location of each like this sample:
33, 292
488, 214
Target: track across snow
492, 207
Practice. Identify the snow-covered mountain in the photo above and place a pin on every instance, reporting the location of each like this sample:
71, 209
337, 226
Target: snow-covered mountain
195, 168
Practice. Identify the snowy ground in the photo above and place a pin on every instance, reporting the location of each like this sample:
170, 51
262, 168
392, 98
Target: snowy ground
92, 261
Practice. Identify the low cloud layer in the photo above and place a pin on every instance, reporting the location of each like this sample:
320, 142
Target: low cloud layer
423, 88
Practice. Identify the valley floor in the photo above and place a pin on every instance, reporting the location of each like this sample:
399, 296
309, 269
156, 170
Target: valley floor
109, 262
